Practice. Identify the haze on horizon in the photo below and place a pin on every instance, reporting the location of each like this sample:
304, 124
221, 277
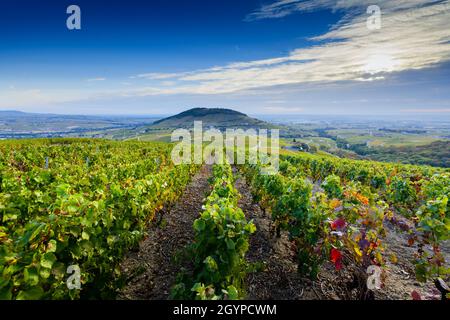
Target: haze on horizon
285, 57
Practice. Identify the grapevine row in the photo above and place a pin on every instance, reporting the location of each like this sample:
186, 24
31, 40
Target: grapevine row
419, 193
68, 215
345, 221
221, 241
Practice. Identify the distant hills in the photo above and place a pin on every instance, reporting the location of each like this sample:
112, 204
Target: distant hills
17, 124
211, 117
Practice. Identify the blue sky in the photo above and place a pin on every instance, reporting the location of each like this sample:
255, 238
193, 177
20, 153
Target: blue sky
259, 57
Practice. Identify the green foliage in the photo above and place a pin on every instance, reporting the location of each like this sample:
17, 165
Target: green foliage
72, 213
332, 186
221, 241
435, 154
360, 195
401, 191
433, 220
289, 200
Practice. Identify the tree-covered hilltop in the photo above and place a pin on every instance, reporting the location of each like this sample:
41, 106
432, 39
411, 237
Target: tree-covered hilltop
211, 117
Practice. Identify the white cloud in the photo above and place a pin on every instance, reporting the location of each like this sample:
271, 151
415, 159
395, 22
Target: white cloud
282, 110
36, 97
96, 79
157, 76
283, 8
414, 35
425, 110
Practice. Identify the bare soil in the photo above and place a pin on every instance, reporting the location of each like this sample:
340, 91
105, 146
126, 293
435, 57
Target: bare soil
279, 279
151, 271
400, 279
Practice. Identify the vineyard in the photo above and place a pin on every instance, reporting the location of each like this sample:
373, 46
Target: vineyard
77, 203
138, 227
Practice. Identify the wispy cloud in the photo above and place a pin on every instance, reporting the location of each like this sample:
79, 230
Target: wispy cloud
425, 110
36, 97
96, 79
283, 8
282, 110
414, 35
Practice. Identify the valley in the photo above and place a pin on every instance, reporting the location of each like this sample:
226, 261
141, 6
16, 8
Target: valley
414, 141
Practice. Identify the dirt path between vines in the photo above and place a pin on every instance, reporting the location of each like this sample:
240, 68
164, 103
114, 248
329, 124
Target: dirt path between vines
151, 271
278, 279
400, 279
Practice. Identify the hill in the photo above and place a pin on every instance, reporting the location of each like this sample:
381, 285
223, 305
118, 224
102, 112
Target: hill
211, 117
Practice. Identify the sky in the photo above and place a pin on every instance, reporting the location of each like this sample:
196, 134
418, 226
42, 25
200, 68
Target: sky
256, 56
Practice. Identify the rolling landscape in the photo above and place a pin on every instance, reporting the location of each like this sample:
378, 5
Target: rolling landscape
79, 182
335, 187
412, 141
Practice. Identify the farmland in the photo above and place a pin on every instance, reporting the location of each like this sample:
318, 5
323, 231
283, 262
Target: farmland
138, 227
